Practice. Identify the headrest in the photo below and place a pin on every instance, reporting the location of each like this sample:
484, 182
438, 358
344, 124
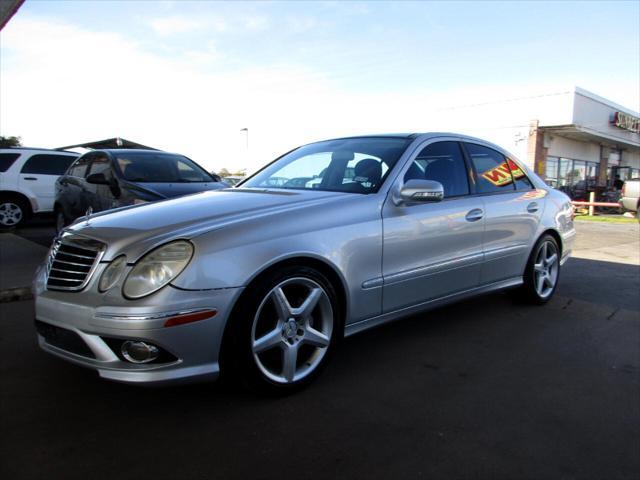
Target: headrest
368, 170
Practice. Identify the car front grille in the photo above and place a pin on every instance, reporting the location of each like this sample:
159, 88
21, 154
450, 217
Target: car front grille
72, 260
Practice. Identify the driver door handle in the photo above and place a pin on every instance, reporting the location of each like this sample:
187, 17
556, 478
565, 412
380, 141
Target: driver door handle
30, 178
474, 215
532, 207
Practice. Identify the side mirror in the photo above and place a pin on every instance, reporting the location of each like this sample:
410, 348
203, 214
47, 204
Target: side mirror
98, 179
421, 191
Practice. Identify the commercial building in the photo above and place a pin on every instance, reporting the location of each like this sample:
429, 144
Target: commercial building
577, 141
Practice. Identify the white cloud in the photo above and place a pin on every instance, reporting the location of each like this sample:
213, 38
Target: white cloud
62, 84
166, 26
255, 22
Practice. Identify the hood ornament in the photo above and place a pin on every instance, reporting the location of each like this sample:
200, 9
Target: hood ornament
87, 215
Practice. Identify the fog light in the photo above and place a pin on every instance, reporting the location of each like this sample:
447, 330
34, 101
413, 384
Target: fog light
139, 352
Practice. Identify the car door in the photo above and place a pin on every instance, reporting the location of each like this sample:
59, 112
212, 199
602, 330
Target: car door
101, 197
39, 174
71, 189
433, 249
512, 212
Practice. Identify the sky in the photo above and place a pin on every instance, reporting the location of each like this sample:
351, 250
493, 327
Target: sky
188, 77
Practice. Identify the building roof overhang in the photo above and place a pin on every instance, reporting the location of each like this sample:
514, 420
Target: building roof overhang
586, 134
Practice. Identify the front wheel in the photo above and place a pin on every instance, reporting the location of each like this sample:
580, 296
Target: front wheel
543, 271
286, 329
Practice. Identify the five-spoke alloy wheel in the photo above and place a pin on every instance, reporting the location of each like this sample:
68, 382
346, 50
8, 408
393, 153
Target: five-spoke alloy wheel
543, 270
287, 327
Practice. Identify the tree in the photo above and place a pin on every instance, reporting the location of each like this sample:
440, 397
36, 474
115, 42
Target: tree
223, 172
6, 142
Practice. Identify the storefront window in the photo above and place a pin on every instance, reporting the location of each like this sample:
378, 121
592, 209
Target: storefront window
592, 174
564, 167
574, 177
551, 172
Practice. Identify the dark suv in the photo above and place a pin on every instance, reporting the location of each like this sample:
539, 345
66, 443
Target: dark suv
105, 179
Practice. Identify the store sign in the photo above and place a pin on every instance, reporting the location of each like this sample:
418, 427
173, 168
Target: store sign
626, 122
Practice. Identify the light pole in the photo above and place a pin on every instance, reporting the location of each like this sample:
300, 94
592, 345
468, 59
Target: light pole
246, 131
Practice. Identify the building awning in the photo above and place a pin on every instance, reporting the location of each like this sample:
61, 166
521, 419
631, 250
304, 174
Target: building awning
115, 142
585, 134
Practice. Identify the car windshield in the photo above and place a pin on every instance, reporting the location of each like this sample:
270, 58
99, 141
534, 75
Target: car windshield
357, 165
151, 167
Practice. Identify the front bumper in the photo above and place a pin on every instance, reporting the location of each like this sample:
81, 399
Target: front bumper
97, 328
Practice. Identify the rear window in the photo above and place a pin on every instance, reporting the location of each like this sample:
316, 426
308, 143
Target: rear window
6, 160
47, 164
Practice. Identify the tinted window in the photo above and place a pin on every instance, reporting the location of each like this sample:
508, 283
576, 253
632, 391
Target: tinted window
100, 164
6, 160
79, 168
444, 163
148, 167
45, 164
357, 165
494, 172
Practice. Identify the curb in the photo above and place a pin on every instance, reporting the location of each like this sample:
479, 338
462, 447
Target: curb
15, 294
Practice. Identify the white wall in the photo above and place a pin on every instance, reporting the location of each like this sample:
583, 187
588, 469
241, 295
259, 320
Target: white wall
630, 159
594, 113
568, 148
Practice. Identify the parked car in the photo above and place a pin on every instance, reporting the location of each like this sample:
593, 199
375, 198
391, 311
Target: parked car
232, 180
630, 199
27, 181
106, 179
259, 282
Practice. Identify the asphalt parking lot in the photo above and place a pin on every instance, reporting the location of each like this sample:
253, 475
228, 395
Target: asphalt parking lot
487, 388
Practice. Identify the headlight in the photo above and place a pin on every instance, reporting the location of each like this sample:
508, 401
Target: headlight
157, 268
112, 273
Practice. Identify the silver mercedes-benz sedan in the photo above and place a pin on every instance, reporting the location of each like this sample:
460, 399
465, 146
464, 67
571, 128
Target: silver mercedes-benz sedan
260, 281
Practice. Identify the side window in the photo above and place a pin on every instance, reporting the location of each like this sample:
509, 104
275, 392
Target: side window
521, 179
100, 164
79, 168
6, 160
46, 164
494, 171
444, 163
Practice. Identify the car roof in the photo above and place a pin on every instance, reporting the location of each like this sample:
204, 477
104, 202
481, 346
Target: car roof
36, 149
410, 136
130, 150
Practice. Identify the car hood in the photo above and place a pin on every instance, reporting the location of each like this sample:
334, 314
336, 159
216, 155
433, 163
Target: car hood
134, 230
170, 190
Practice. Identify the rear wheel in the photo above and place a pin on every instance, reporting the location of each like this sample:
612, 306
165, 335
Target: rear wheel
542, 272
286, 329
13, 212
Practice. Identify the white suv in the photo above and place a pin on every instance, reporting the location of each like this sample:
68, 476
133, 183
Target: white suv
27, 181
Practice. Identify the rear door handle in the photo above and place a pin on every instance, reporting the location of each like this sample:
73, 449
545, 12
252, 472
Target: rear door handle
30, 178
532, 207
474, 215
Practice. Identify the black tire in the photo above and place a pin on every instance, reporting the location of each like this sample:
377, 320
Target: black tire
530, 290
14, 211
256, 309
